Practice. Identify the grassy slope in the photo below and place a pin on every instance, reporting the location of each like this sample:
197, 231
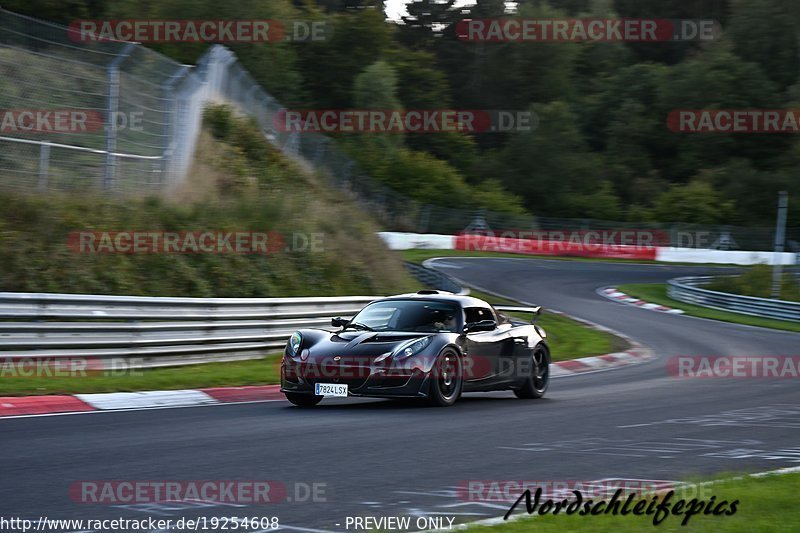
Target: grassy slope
657, 293
238, 183
766, 504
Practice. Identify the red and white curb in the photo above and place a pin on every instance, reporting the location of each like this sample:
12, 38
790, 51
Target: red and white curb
636, 353
618, 296
115, 401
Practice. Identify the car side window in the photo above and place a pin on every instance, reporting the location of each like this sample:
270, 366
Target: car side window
501, 318
476, 314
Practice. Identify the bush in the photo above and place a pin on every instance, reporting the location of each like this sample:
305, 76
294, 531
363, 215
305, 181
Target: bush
757, 281
219, 119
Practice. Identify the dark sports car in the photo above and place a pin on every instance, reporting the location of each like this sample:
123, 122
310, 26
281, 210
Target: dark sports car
431, 344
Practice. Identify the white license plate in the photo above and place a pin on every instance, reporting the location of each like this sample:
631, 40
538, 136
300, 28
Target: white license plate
330, 389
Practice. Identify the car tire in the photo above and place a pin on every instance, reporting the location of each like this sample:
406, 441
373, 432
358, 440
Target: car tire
538, 379
446, 380
303, 400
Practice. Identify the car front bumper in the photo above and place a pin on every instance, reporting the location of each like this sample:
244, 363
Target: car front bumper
387, 382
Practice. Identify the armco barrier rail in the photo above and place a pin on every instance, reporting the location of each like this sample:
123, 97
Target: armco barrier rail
689, 290
142, 332
434, 279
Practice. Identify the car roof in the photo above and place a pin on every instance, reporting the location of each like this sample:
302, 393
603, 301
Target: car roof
441, 296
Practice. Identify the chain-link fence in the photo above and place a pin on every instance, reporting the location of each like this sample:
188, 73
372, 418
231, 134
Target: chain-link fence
80, 114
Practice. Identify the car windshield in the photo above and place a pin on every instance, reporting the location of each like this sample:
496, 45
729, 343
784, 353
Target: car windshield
410, 315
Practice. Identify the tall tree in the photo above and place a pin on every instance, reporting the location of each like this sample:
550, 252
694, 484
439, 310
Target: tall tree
426, 20
764, 32
356, 40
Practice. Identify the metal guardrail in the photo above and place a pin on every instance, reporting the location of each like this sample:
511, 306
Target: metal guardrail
689, 290
142, 332
434, 279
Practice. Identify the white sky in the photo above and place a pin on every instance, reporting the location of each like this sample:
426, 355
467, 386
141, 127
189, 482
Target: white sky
396, 8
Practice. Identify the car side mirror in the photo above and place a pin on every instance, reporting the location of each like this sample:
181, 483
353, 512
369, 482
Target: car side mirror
339, 322
481, 325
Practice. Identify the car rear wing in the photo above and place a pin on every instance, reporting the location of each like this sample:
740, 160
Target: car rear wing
536, 310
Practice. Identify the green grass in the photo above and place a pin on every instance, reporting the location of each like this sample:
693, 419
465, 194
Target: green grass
657, 294
766, 503
262, 371
568, 338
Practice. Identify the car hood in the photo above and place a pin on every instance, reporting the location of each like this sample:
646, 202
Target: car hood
357, 344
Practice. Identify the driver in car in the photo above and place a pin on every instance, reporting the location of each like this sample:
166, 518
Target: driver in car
444, 322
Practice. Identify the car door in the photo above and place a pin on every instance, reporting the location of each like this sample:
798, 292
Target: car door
514, 353
484, 368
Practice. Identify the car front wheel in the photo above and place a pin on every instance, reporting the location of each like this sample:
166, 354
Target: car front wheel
303, 400
446, 380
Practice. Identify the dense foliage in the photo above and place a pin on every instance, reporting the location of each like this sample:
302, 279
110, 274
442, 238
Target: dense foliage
602, 148
757, 281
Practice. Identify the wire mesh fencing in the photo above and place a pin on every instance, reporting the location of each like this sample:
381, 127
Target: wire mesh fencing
80, 114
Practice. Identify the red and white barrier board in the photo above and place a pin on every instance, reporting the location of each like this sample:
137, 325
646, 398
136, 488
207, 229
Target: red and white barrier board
486, 243
585, 248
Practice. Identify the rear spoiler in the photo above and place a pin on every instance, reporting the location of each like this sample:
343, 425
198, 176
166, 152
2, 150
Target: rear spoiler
536, 310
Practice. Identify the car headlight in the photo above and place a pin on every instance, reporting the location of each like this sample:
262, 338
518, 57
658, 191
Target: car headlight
294, 343
411, 347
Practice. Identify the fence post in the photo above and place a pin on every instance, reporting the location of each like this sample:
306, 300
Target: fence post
780, 238
171, 143
113, 107
44, 165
